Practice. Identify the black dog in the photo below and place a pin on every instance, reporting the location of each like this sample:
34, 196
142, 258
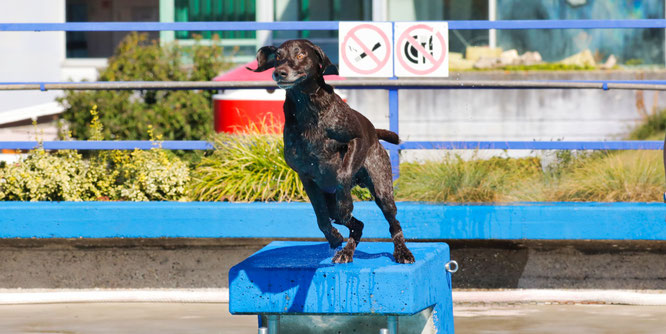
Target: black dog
331, 146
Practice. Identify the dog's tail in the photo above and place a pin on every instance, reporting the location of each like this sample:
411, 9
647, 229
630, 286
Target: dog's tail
388, 136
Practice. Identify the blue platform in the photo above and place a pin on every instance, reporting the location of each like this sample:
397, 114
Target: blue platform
298, 278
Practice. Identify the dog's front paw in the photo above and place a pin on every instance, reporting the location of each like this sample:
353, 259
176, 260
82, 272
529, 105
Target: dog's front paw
335, 243
343, 256
403, 255
335, 239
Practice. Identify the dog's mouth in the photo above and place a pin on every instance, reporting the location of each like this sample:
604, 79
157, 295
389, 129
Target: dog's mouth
285, 84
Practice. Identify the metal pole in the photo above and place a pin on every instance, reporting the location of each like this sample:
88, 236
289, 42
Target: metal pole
273, 321
492, 16
394, 151
379, 10
664, 160
394, 119
656, 85
392, 323
265, 13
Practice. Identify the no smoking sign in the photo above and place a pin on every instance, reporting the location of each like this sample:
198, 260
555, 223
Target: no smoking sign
365, 49
421, 49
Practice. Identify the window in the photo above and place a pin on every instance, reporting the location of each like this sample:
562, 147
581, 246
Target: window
215, 10
100, 44
640, 45
320, 10
446, 10
459, 40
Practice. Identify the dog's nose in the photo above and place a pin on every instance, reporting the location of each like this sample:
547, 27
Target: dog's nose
281, 73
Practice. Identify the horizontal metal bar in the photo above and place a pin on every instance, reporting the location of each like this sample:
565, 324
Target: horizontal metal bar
108, 145
171, 26
534, 145
344, 84
136, 85
408, 145
557, 24
324, 25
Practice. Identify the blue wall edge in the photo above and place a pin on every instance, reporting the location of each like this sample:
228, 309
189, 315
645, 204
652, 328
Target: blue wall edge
512, 221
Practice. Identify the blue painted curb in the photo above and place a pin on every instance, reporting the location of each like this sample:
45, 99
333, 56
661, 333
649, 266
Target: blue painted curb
555, 221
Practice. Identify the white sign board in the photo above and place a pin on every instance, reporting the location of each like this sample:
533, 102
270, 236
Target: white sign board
421, 49
365, 49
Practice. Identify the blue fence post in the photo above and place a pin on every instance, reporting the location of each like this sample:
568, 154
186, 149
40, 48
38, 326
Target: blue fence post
394, 119
394, 150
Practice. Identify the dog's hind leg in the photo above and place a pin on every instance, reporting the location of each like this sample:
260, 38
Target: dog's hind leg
319, 205
380, 183
341, 205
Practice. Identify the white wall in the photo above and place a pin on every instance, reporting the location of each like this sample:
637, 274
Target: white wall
513, 114
30, 56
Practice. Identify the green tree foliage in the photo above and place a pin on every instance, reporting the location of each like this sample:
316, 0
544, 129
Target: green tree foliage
176, 115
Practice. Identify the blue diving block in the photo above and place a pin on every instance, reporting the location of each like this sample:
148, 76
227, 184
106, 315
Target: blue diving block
295, 288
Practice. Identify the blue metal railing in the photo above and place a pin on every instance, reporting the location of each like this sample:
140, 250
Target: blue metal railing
410, 145
325, 25
185, 145
393, 91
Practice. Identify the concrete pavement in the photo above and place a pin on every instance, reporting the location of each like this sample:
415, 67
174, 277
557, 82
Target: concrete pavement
214, 318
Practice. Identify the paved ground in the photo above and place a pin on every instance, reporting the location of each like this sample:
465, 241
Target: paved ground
214, 318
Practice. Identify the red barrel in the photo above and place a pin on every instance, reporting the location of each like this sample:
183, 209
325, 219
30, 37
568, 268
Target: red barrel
249, 109
237, 110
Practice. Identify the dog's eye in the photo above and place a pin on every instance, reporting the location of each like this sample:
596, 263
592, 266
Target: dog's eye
300, 56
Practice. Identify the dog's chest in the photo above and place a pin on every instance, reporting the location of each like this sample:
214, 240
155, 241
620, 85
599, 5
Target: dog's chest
309, 151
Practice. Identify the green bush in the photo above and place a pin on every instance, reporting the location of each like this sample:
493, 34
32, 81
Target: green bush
66, 176
634, 176
152, 175
651, 128
246, 167
63, 176
458, 180
181, 114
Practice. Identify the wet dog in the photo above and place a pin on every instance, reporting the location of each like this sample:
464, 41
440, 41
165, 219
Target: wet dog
331, 146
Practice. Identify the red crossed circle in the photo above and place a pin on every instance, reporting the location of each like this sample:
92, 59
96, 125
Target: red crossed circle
406, 37
379, 62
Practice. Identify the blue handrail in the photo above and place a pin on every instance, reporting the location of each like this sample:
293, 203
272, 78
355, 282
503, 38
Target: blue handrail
408, 145
155, 85
108, 145
534, 145
325, 25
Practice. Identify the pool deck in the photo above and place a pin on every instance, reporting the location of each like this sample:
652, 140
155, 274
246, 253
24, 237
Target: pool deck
472, 318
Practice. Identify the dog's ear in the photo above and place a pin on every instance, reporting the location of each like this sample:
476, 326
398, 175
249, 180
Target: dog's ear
265, 59
327, 67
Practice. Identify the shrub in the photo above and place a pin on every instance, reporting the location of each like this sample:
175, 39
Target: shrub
636, 176
182, 114
107, 175
63, 176
652, 127
246, 167
151, 176
458, 180
66, 176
